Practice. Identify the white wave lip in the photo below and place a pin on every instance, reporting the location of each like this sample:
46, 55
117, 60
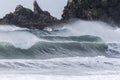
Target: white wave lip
23, 40
95, 28
71, 68
11, 28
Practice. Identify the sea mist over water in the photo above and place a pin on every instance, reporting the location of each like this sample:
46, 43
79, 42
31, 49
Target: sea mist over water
107, 32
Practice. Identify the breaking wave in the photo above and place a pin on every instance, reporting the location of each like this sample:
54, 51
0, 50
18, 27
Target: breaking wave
48, 48
78, 48
86, 39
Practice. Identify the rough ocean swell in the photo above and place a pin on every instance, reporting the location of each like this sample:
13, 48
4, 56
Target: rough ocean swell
78, 48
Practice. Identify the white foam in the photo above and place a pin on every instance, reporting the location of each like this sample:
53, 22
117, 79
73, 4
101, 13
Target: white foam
19, 39
63, 66
57, 77
72, 68
10, 28
95, 28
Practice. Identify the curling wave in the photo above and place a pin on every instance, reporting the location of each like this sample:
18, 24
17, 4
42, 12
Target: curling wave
86, 39
60, 47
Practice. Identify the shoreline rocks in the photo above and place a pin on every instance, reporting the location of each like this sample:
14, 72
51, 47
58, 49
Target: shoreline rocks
26, 18
102, 10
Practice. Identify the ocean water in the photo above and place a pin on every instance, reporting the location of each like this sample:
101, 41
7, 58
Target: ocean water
80, 50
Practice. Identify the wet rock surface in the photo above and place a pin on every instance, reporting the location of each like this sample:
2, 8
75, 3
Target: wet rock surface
26, 18
104, 10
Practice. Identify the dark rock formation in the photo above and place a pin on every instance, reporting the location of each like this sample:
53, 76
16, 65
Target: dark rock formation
37, 9
24, 17
105, 10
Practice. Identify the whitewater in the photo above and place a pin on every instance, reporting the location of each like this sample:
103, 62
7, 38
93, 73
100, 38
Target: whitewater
80, 50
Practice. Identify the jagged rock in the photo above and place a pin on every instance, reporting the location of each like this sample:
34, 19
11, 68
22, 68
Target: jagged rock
70, 10
105, 10
24, 17
37, 9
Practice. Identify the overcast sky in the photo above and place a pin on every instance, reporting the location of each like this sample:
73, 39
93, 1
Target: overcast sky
55, 7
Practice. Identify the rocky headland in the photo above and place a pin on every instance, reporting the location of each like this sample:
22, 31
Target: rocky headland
103, 10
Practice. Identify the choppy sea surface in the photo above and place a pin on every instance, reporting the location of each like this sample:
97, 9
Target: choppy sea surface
83, 50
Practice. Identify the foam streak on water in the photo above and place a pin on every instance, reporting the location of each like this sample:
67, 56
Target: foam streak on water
63, 66
81, 49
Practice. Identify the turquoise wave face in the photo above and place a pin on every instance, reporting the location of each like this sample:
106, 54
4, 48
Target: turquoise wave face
56, 46
82, 38
85, 38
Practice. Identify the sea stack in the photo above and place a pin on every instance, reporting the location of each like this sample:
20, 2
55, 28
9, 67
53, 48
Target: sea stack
26, 18
101, 10
37, 9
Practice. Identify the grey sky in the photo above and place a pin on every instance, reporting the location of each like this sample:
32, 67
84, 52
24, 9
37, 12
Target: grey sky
55, 7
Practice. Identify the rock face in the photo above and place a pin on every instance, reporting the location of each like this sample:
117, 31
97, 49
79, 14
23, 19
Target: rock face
105, 10
24, 17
